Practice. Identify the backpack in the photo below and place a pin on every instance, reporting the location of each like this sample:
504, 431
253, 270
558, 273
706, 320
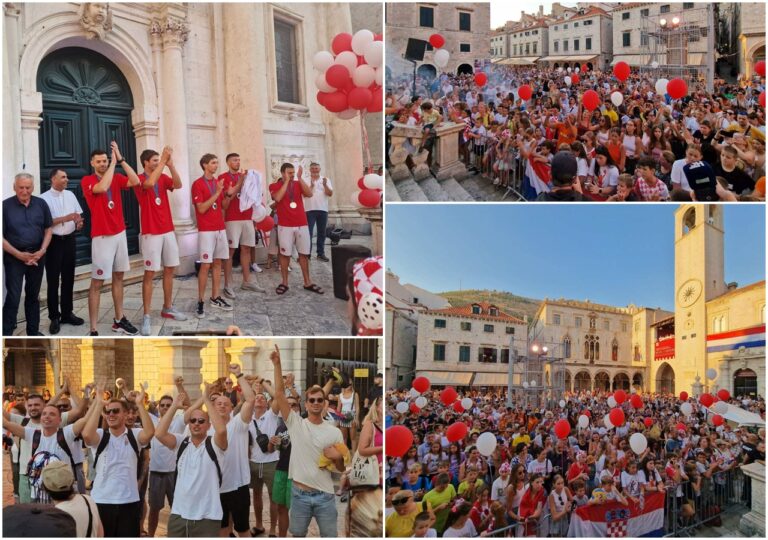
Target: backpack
105, 441
208, 448
262, 439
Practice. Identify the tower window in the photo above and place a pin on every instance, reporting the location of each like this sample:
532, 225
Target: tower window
689, 220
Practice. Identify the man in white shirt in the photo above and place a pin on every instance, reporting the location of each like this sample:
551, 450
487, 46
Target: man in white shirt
679, 181
316, 207
196, 509
312, 493
263, 463
60, 258
116, 457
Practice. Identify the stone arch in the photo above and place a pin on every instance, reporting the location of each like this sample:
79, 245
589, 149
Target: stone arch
620, 381
602, 381
665, 379
689, 220
582, 381
637, 381
568, 381
427, 71
465, 69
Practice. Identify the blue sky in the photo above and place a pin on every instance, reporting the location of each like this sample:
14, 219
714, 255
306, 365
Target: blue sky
612, 254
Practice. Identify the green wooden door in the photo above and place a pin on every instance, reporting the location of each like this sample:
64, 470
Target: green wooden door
86, 104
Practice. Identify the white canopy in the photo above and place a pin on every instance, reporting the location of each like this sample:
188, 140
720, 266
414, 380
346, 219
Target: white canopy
741, 416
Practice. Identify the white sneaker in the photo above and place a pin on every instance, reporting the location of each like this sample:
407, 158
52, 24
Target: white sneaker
256, 268
146, 326
229, 293
251, 286
173, 313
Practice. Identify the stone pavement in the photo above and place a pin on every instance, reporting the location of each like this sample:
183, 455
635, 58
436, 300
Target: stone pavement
296, 313
161, 528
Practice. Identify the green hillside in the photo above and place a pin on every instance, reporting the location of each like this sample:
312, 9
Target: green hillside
519, 306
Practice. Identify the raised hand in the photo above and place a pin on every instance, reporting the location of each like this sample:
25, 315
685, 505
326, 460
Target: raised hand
116, 151
234, 369
179, 380
120, 382
275, 355
179, 399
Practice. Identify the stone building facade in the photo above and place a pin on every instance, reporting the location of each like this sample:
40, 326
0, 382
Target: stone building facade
200, 77
585, 37
751, 35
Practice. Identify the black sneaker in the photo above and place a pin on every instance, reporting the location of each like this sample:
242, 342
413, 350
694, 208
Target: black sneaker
200, 312
93, 333
124, 326
220, 303
323, 258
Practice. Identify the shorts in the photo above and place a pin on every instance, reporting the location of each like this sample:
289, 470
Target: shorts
109, 254
290, 237
159, 250
161, 486
178, 527
212, 245
240, 232
263, 473
237, 503
281, 489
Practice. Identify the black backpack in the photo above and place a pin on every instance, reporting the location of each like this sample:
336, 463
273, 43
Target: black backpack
208, 448
61, 440
131, 439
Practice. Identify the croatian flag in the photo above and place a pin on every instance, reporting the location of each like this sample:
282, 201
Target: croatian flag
614, 520
735, 339
537, 179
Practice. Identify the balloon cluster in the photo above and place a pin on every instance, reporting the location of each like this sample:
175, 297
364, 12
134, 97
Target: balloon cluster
441, 55
369, 194
350, 78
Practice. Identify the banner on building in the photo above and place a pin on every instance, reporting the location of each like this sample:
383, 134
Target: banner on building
735, 339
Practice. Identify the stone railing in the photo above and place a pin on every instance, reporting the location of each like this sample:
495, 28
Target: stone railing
445, 160
753, 522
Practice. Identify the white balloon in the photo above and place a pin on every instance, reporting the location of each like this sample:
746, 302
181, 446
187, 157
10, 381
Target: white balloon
486, 443
421, 402
466, 403
361, 40
322, 84
348, 114
259, 213
355, 200
711, 373
525, 384
370, 311
617, 99
533, 382
611, 402
661, 86
402, 407
607, 422
569, 70
373, 181
686, 408
374, 54
583, 421
559, 70
441, 57
379, 75
721, 407
364, 75
567, 80
322, 61
415, 393
577, 69
562, 404
348, 59
638, 443
654, 64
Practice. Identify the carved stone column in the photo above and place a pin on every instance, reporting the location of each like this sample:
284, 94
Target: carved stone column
180, 357
446, 162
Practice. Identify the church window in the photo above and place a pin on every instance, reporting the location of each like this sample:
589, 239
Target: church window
286, 62
566, 347
689, 220
615, 351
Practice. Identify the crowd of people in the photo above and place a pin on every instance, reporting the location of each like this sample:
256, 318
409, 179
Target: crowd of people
636, 151
113, 460
533, 479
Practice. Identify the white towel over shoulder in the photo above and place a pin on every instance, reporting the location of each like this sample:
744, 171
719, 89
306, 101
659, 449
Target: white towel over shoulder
251, 193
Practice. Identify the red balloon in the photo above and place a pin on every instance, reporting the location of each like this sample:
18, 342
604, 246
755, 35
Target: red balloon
677, 88
616, 416
575, 79
715, 399
378, 37
621, 71
683, 396
591, 100
456, 432
761, 99
341, 42
420, 384
718, 420
706, 399
481, 78
458, 407
377, 101
648, 421
360, 183
525, 92
562, 429
337, 76
436, 40
359, 98
620, 396
760, 68
584, 68
321, 98
414, 408
336, 102
266, 224
680, 426
448, 395
636, 401
370, 198
724, 394
587, 413
398, 440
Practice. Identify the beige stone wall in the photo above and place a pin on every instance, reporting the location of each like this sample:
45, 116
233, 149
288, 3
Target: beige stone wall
402, 337
696, 16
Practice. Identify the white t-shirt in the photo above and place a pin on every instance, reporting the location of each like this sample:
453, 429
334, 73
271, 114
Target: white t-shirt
25, 446
318, 200
267, 423
196, 495
631, 482
498, 489
116, 471
308, 441
677, 176
541, 467
76, 507
467, 531
161, 458
50, 444
62, 203
431, 533
235, 470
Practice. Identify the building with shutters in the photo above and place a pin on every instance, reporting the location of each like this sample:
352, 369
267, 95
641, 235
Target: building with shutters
200, 77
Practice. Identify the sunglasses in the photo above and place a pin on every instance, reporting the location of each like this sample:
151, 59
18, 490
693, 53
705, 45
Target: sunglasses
316, 400
401, 501
228, 383
112, 411
63, 407
294, 404
200, 421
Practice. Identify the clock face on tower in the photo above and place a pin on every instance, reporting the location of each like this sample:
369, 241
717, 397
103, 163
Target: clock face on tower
689, 292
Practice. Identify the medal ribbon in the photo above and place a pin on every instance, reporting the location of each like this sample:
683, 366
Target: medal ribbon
211, 186
290, 191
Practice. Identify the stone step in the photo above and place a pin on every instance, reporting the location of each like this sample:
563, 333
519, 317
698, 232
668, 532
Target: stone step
410, 191
455, 190
390, 190
481, 189
433, 190
83, 279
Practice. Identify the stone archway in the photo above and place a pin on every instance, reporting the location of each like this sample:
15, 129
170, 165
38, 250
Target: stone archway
427, 72
637, 381
582, 381
568, 381
602, 381
745, 383
465, 69
621, 381
665, 379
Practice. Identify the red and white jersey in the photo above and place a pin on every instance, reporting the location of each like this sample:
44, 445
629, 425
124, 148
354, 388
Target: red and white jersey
213, 218
287, 216
233, 212
106, 208
155, 218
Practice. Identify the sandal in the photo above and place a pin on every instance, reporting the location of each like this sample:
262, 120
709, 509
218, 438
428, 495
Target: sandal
314, 288
281, 289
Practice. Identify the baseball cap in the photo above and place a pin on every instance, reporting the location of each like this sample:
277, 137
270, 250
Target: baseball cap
37, 521
402, 494
564, 168
57, 476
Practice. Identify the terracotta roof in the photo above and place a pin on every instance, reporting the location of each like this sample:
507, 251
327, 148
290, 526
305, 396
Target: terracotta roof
466, 311
630, 5
591, 12
662, 322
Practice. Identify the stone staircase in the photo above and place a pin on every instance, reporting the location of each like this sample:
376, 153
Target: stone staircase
469, 189
83, 279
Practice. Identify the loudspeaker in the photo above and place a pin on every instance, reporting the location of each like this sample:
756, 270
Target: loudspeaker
340, 255
415, 49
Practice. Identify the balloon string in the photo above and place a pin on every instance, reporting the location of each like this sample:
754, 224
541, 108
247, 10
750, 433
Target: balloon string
367, 165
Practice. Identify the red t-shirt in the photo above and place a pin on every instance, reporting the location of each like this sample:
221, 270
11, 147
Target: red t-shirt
105, 221
155, 219
233, 213
287, 216
211, 220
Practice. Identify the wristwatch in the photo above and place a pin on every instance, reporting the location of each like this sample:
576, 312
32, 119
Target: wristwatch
121, 160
